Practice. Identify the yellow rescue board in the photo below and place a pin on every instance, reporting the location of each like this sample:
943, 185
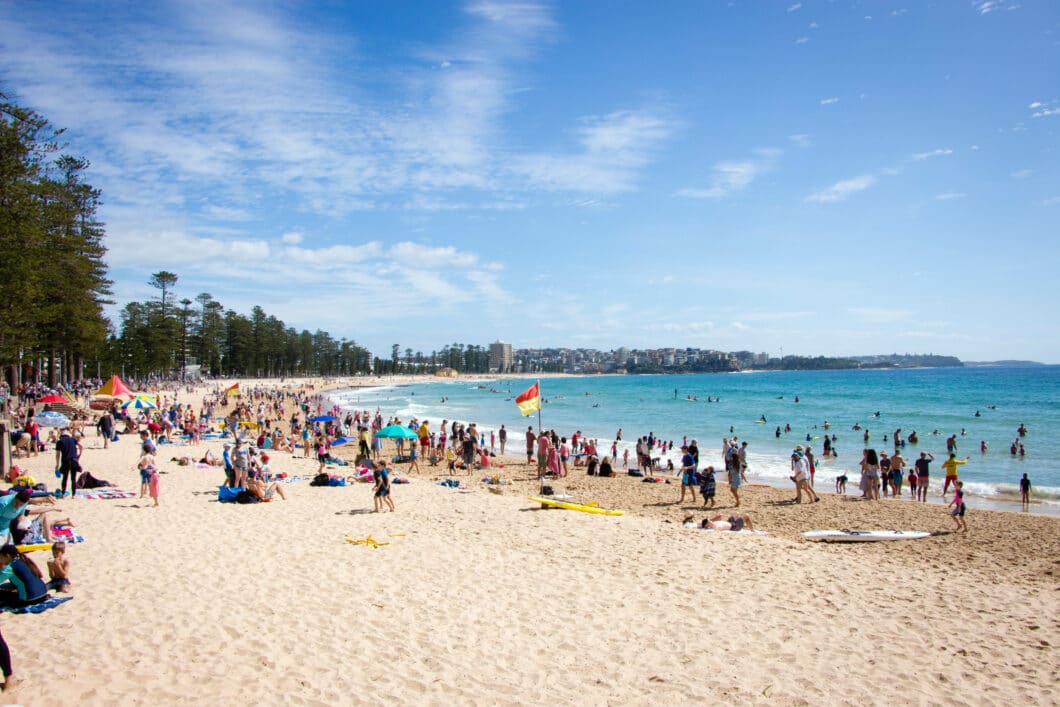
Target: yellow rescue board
584, 508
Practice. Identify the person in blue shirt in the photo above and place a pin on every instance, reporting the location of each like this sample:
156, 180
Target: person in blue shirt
688, 475
29, 588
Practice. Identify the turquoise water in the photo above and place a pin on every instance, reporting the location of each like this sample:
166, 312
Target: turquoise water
924, 400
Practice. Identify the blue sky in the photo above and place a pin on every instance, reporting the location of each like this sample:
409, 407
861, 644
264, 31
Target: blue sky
819, 177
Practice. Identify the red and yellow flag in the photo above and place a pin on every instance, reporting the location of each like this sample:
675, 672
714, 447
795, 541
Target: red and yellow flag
529, 401
232, 390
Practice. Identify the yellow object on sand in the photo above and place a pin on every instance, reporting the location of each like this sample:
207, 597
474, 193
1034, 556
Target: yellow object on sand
583, 507
368, 542
33, 548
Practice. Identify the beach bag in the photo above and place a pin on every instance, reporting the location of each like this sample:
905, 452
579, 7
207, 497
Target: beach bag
320, 480
245, 496
547, 491
227, 494
635, 472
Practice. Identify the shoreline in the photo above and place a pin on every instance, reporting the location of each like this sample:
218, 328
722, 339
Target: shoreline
464, 591
975, 501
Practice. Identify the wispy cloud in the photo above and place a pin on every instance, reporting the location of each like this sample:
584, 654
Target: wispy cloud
933, 153
800, 140
1021, 173
1051, 201
985, 7
611, 150
802, 40
796, 6
950, 196
731, 176
829, 101
843, 189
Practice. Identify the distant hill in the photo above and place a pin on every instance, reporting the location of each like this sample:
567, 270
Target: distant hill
1003, 363
907, 361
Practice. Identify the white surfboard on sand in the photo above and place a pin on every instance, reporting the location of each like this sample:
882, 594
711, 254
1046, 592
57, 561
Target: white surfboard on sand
863, 536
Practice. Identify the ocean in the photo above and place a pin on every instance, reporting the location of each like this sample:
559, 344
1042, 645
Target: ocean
934, 402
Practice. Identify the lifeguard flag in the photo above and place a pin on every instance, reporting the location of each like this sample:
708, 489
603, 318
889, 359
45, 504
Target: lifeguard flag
232, 390
529, 401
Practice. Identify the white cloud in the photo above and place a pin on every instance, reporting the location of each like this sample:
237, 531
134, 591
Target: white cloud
933, 153
802, 40
731, 176
1051, 201
612, 150
1035, 104
829, 101
814, 25
292, 238
950, 196
801, 140
796, 6
1021, 173
1046, 112
986, 6
842, 189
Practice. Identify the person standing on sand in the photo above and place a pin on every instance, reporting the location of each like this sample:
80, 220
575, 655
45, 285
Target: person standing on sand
959, 507
897, 466
923, 472
707, 486
543, 446
530, 438
503, 434
1025, 491
688, 475
735, 477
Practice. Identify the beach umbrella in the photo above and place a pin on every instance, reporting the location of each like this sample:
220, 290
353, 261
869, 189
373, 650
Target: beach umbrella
52, 419
396, 432
140, 402
323, 418
59, 404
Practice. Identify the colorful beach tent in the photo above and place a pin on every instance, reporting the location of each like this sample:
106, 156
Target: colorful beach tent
115, 387
52, 399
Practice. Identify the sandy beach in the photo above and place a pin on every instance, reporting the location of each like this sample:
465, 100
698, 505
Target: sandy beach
480, 598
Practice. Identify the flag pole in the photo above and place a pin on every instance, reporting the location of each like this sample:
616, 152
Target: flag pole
540, 402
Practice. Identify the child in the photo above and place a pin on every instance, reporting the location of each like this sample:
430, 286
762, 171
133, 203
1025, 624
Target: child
841, 484
153, 484
959, 508
707, 486
59, 568
450, 456
382, 488
146, 465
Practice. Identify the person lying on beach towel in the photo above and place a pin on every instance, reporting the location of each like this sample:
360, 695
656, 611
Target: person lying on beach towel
735, 523
265, 492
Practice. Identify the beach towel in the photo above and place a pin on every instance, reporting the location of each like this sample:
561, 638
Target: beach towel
66, 534
50, 603
227, 494
105, 493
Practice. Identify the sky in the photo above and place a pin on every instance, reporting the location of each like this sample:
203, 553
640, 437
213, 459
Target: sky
813, 178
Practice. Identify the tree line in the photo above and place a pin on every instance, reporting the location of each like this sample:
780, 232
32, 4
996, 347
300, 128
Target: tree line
54, 287
53, 279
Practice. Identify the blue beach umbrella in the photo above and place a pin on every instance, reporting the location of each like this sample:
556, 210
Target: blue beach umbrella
323, 418
396, 432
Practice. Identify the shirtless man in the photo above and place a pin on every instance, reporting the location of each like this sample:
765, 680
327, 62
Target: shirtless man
530, 439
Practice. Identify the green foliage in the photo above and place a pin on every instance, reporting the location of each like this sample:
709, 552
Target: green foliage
53, 281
